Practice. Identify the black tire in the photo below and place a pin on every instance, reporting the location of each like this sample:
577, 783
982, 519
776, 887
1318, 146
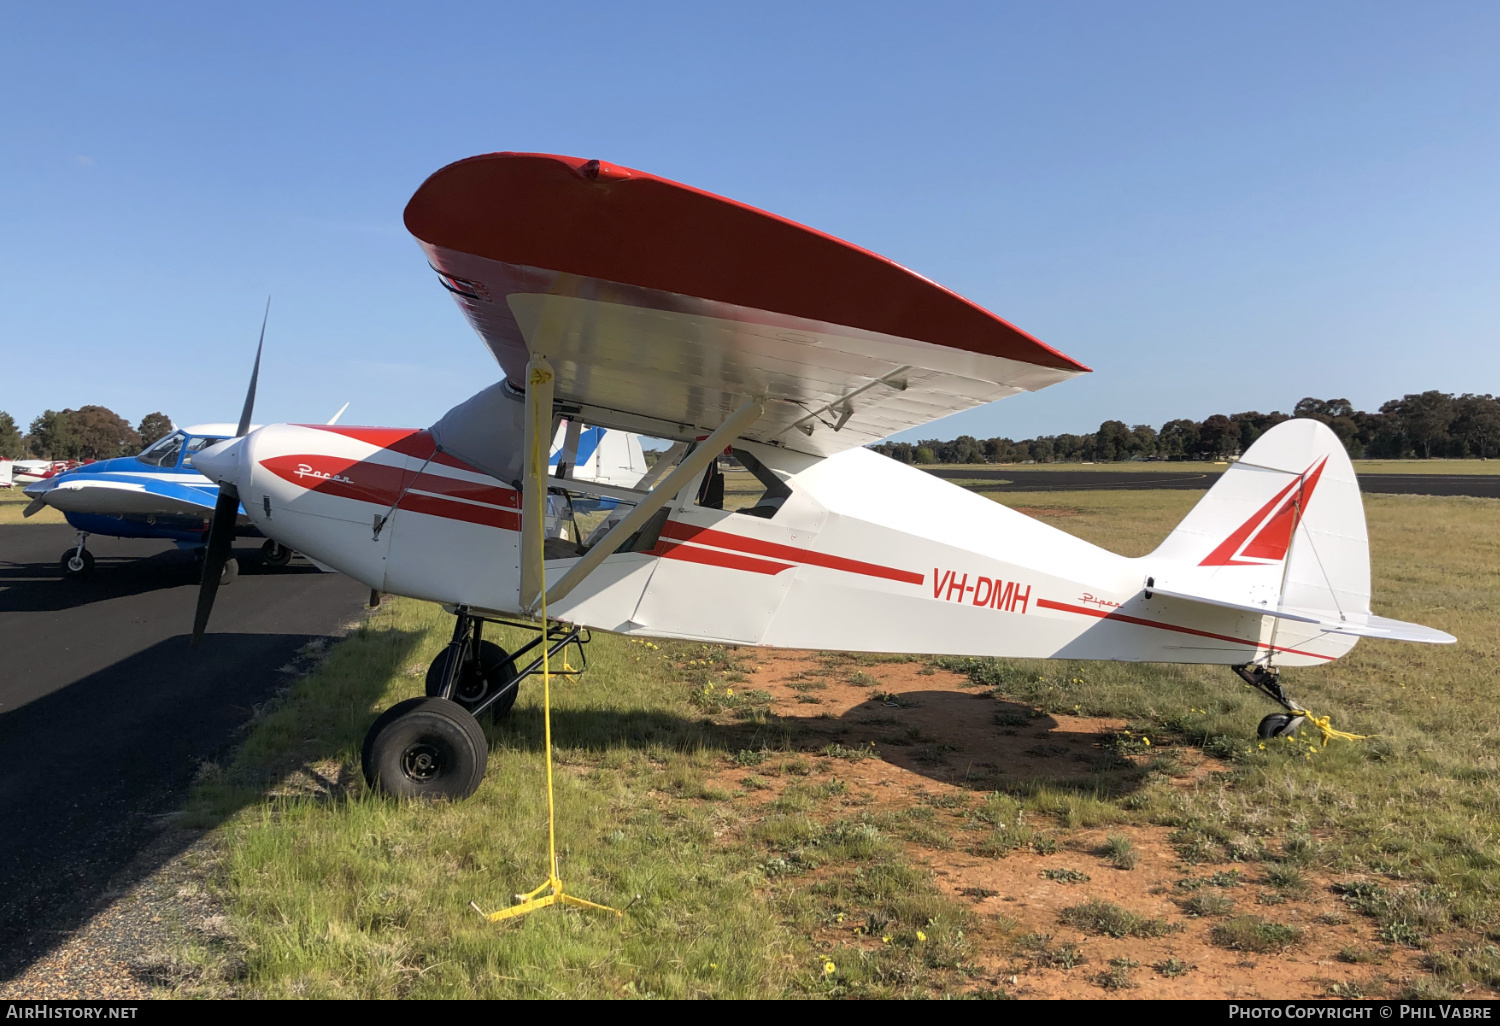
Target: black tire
272, 554
425, 748
1280, 725
480, 678
76, 565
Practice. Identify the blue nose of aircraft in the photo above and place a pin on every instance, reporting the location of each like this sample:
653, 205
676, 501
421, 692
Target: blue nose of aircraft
221, 463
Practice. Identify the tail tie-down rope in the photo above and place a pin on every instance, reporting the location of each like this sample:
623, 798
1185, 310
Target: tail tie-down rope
1329, 734
541, 374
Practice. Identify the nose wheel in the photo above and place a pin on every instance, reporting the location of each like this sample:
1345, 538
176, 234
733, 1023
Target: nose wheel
272, 554
227, 574
77, 563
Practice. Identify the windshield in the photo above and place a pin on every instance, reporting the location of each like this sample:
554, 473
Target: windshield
163, 452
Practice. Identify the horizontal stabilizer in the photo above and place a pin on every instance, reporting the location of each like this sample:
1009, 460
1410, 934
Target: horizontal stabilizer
1364, 625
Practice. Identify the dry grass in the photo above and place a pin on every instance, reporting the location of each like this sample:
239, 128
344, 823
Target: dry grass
13, 501
335, 893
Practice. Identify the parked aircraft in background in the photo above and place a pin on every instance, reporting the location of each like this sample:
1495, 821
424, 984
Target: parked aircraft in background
157, 494
615, 299
25, 472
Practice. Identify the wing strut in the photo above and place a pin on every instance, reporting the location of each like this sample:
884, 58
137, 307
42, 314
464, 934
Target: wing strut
664, 492
540, 380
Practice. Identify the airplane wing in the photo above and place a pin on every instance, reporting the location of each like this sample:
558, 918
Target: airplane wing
119, 494
663, 308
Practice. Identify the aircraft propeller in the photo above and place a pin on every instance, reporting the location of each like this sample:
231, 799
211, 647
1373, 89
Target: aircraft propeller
226, 510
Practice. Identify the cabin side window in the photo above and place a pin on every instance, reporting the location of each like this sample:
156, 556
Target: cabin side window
740, 483
163, 452
198, 445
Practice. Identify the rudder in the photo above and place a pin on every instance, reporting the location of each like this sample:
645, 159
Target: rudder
1283, 526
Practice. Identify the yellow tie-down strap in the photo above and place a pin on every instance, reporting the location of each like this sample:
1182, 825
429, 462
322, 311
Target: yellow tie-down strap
551, 891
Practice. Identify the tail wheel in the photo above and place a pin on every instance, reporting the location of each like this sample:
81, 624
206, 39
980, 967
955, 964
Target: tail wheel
1280, 725
425, 748
76, 564
493, 669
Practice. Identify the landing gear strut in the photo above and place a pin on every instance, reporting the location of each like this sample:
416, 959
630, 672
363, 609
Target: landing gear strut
427, 747
77, 563
1268, 680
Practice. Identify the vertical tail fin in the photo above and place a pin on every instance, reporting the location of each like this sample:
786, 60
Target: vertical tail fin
1283, 527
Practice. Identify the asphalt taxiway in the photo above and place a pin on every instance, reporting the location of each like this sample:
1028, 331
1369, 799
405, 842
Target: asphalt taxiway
106, 714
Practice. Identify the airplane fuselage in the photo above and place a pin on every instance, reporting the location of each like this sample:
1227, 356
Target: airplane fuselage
864, 554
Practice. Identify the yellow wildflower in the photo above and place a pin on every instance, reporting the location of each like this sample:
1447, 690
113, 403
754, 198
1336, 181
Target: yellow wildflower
921, 936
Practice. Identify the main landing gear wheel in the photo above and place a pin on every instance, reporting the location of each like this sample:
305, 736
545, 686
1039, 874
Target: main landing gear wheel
1280, 725
425, 748
272, 554
478, 679
76, 564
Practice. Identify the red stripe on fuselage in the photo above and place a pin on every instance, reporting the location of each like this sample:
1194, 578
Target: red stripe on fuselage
724, 540
406, 441
487, 516
1124, 618
713, 557
381, 484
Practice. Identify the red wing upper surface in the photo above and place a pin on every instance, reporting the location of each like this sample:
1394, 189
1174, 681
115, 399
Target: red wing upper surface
663, 308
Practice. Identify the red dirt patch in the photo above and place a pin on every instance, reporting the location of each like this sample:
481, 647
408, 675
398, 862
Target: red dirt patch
938, 741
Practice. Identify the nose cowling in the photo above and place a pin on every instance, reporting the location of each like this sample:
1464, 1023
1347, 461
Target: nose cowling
37, 489
222, 463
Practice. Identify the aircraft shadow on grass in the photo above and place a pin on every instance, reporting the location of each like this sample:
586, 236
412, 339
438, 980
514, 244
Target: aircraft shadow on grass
96, 769
40, 587
967, 740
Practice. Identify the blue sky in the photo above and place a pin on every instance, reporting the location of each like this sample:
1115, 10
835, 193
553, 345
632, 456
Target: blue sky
1218, 207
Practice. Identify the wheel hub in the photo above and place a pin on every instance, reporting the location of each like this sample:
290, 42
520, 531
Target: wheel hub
75, 564
422, 761
471, 687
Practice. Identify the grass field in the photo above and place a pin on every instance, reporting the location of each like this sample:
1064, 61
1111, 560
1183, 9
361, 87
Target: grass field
758, 855
13, 501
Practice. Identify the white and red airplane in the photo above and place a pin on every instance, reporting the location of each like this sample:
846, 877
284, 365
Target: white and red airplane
613, 298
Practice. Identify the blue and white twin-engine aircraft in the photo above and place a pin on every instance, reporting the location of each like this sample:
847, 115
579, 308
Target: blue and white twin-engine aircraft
160, 494
157, 494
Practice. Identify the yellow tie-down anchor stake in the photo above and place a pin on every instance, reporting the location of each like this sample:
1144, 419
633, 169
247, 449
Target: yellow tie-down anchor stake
551, 891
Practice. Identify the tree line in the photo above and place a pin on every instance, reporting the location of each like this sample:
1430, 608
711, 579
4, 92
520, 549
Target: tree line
1424, 425
88, 433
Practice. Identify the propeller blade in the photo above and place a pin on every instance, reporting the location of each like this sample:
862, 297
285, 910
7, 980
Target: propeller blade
254, 375
226, 510
220, 538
